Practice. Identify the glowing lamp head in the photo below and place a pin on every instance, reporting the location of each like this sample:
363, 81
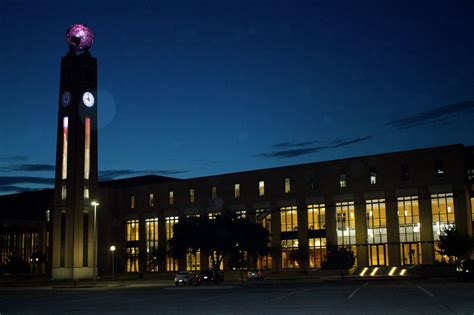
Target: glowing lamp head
112, 248
79, 37
94, 203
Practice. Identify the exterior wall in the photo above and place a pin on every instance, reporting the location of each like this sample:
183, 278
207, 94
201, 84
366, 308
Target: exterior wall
310, 182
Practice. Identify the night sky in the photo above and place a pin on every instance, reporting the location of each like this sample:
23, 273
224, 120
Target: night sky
195, 88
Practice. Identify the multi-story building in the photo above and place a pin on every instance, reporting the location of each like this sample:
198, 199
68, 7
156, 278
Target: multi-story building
389, 209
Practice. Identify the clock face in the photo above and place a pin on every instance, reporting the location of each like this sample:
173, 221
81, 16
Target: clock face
88, 99
66, 98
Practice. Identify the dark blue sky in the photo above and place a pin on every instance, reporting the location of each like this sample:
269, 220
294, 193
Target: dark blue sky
193, 88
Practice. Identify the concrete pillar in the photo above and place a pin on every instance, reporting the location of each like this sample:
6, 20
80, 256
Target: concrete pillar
393, 236
462, 215
276, 243
303, 232
331, 235
362, 253
426, 230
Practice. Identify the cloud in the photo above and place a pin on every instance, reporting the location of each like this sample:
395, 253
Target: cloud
436, 115
15, 189
28, 168
111, 174
285, 154
17, 158
14, 180
14, 183
342, 143
294, 144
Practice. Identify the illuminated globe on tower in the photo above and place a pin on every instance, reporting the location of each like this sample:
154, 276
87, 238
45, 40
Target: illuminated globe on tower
76, 160
79, 37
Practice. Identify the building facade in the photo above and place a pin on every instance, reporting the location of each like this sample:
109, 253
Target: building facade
389, 209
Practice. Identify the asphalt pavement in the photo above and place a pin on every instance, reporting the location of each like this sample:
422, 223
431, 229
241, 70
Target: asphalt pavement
377, 296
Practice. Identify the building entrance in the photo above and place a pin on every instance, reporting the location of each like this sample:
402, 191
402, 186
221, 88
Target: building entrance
410, 253
378, 254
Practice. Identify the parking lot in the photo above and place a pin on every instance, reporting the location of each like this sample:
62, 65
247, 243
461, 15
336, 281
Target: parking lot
330, 297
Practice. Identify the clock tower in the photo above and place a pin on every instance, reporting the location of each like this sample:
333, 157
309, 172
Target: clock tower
76, 160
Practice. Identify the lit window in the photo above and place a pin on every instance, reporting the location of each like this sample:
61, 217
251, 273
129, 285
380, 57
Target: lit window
342, 180
261, 188
442, 211
439, 168
373, 176
132, 230
287, 259
317, 252
289, 219
316, 217
345, 224
214, 192
240, 214
132, 202
191, 195
86, 193
405, 175
48, 215
87, 148
236, 191
152, 243
132, 259
151, 200
193, 261
171, 198
472, 209
65, 135
63, 193
377, 232
212, 215
409, 230
171, 263
287, 185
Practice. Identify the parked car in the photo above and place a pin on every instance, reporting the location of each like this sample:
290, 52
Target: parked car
184, 277
207, 276
465, 270
255, 274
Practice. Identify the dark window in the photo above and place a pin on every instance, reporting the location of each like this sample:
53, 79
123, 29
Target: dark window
404, 172
314, 182
439, 168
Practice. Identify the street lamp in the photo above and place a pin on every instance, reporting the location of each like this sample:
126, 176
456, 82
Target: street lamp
112, 249
95, 204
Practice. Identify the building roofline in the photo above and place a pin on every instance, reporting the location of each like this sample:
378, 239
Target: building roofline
328, 161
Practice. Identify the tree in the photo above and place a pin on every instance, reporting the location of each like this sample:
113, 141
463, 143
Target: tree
338, 258
16, 265
301, 255
453, 244
220, 237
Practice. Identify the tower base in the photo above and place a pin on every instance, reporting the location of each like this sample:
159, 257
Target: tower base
72, 273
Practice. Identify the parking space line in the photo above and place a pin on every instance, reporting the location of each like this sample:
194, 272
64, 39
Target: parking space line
214, 297
353, 293
356, 290
426, 291
290, 294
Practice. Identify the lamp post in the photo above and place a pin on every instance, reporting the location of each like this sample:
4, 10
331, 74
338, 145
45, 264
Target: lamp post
112, 249
95, 204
